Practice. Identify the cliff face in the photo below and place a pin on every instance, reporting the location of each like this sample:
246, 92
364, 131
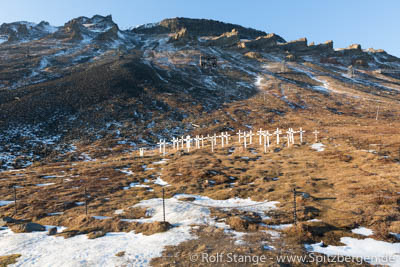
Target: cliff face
197, 27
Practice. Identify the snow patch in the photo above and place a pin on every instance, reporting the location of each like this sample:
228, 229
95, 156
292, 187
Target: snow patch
318, 147
43, 185
370, 250
362, 231
5, 202
161, 182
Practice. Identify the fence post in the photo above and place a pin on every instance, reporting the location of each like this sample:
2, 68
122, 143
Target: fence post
15, 200
399, 153
86, 206
294, 207
163, 202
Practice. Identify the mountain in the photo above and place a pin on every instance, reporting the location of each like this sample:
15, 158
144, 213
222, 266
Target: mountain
24, 31
89, 82
78, 101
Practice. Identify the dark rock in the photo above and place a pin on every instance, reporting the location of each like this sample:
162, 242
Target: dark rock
253, 217
5, 220
95, 234
329, 60
27, 228
304, 195
110, 35
360, 62
324, 47
52, 231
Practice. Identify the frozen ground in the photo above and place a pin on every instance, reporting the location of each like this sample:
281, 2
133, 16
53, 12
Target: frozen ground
39, 249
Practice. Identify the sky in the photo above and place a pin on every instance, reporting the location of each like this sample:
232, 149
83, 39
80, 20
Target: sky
370, 23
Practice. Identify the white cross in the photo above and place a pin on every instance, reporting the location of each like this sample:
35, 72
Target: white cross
161, 143
288, 137
141, 152
245, 140
164, 143
316, 135
227, 138
222, 136
212, 144
175, 143
260, 133
301, 135
268, 135
188, 139
291, 135
239, 134
182, 140
277, 132
251, 137
202, 141
197, 141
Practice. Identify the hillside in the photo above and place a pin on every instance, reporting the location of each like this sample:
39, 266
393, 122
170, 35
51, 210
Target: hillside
78, 101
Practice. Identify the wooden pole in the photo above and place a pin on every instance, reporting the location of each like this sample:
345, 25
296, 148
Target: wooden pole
294, 207
163, 202
86, 204
15, 200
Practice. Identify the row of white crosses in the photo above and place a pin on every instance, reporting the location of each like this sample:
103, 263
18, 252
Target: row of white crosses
265, 135
197, 141
264, 139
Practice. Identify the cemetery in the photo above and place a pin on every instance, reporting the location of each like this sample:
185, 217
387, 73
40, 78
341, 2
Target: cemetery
243, 140
148, 145
253, 181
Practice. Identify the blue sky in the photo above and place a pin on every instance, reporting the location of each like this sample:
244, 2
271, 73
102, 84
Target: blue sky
370, 23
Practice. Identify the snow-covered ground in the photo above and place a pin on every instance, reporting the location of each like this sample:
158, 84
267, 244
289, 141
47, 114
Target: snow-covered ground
39, 249
370, 250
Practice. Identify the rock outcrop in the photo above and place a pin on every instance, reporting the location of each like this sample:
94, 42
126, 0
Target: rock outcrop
321, 48
263, 43
27, 228
197, 27
227, 39
23, 31
296, 45
98, 28
182, 37
354, 47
